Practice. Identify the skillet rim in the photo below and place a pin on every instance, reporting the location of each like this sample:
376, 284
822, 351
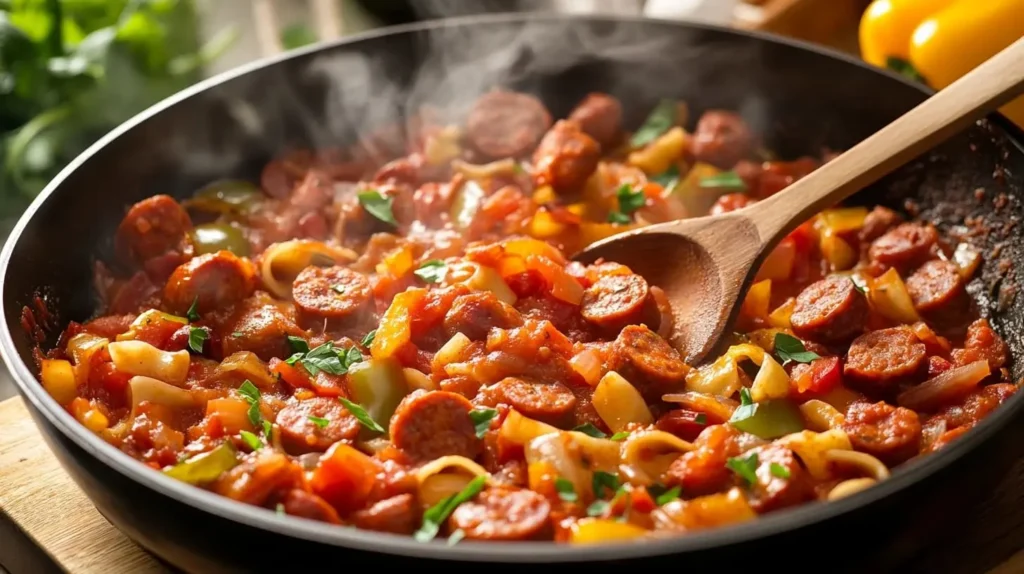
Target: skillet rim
521, 552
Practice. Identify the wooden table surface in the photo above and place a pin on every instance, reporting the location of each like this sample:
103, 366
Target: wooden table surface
40, 498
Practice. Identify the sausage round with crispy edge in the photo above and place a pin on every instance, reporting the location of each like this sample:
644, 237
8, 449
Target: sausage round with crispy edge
431, 424
565, 158
214, 281
781, 480
475, 314
935, 285
506, 124
878, 221
880, 360
647, 361
831, 310
152, 227
722, 138
615, 301
334, 295
502, 514
982, 342
546, 401
600, 117
300, 434
905, 246
890, 434
304, 504
397, 515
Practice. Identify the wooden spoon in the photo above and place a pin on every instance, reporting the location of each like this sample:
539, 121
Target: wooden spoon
705, 264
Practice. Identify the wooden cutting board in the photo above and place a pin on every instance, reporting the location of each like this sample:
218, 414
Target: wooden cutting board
41, 498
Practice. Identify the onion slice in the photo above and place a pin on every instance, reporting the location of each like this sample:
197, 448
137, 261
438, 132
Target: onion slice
945, 387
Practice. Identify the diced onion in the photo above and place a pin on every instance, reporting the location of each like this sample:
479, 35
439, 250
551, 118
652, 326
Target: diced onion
488, 279
282, 262
58, 379
619, 403
849, 487
248, 366
944, 387
451, 352
589, 366
967, 260
141, 358
771, 381
820, 416
864, 462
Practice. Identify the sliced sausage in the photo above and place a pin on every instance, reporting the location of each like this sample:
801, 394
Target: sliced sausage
878, 221
890, 434
300, 434
685, 424
503, 514
152, 227
647, 361
331, 297
260, 327
880, 360
703, 470
615, 301
547, 401
935, 285
432, 424
600, 117
308, 505
974, 406
722, 138
397, 515
475, 314
831, 310
565, 157
781, 480
982, 342
506, 124
904, 247
214, 281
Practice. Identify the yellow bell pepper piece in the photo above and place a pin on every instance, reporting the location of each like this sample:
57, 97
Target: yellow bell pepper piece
887, 25
600, 531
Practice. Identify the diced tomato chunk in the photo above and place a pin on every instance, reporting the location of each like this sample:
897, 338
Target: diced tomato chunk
820, 376
294, 377
344, 478
103, 374
642, 500
937, 365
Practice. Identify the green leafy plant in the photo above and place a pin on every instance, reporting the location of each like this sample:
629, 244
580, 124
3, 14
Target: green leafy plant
71, 70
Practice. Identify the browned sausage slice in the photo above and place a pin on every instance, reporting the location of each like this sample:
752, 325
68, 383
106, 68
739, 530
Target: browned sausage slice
432, 424
878, 221
152, 227
907, 245
600, 117
547, 401
890, 434
506, 124
502, 514
565, 157
935, 285
475, 314
722, 138
781, 480
301, 434
397, 515
215, 281
831, 310
982, 342
308, 505
647, 361
880, 360
261, 327
335, 296
615, 300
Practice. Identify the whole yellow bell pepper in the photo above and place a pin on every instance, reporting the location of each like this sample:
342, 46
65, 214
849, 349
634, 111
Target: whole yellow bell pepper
938, 41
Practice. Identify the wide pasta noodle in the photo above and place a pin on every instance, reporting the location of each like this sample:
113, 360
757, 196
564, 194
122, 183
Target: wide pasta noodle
812, 447
821, 416
619, 403
646, 455
720, 407
862, 461
142, 359
443, 477
282, 262
849, 487
147, 389
722, 377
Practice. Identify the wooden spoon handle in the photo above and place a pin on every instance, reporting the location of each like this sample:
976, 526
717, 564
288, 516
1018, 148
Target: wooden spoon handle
952, 109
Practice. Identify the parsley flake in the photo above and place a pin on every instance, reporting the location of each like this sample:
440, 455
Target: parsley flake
482, 420
435, 516
668, 496
250, 439
778, 470
325, 358
747, 407
361, 415
745, 467
196, 337
320, 422
618, 217
193, 313
566, 491
658, 122
858, 286
619, 436
377, 205
251, 394
238, 334
604, 481
630, 199
701, 419
298, 344
368, 339
790, 349
432, 271
598, 508
590, 430
724, 180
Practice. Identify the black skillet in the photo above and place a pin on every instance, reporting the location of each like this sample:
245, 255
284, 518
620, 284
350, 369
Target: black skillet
802, 99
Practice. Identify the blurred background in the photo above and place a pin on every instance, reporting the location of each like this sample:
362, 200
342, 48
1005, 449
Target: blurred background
71, 70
